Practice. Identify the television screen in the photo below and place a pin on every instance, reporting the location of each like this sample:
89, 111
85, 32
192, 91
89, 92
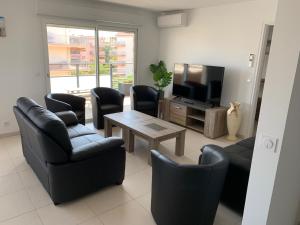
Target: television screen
198, 82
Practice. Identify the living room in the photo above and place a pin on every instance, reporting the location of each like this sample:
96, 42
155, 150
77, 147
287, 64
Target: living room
219, 33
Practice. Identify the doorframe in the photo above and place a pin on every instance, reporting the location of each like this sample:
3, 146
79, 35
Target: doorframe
257, 77
91, 24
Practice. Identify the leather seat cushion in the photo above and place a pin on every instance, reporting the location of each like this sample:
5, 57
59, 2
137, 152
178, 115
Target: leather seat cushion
239, 155
79, 130
85, 139
110, 108
247, 143
146, 105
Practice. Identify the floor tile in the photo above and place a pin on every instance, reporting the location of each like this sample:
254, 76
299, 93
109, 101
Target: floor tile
14, 204
30, 218
10, 183
39, 196
129, 214
134, 164
6, 167
29, 178
107, 199
92, 221
138, 184
65, 214
226, 216
145, 201
20, 164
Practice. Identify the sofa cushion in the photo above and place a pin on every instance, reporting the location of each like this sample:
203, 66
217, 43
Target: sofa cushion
79, 130
85, 139
25, 104
247, 143
239, 156
50, 124
96, 148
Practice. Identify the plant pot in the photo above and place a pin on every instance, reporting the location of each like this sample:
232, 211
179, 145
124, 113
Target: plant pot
125, 88
161, 94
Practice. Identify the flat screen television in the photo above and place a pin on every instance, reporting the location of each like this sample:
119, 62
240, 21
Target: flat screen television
198, 82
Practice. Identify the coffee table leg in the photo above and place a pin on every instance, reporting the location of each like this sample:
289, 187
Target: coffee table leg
180, 139
153, 144
107, 128
128, 138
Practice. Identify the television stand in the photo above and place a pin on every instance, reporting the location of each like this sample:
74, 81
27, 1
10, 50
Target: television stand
201, 117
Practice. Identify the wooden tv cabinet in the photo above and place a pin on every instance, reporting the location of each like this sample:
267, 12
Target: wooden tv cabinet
199, 117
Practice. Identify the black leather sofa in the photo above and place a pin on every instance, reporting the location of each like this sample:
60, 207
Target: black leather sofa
187, 194
105, 101
236, 181
145, 99
64, 102
69, 159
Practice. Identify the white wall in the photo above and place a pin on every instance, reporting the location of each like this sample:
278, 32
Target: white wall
22, 63
274, 185
223, 35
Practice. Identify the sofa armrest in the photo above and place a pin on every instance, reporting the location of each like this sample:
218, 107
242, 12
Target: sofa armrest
68, 117
95, 148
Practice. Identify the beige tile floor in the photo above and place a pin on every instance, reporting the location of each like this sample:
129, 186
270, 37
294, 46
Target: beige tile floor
23, 201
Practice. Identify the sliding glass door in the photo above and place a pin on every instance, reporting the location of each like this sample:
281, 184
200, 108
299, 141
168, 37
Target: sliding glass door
74, 67
116, 61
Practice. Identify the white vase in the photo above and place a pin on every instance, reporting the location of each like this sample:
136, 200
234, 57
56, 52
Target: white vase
234, 118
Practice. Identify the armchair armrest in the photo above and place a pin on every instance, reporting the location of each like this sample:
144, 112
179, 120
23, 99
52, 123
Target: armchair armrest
56, 105
68, 117
95, 148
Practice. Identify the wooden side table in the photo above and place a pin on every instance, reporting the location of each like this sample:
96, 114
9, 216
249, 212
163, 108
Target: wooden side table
215, 122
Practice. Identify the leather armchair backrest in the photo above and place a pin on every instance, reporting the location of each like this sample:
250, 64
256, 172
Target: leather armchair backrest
77, 102
47, 122
192, 190
108, 95
145, 93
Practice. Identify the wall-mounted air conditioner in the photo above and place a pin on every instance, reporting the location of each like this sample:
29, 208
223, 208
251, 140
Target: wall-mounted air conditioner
172, 20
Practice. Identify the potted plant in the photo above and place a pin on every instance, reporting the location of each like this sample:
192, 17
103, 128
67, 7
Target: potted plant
162, 78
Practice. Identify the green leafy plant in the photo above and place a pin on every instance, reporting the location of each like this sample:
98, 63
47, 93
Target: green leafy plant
162, 78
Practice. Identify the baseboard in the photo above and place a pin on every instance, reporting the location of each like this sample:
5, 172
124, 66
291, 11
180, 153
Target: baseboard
9, 134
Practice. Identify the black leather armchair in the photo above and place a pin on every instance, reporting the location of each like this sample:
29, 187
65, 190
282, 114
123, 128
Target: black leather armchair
187, 194
69, 159
105, 101
65, 102
145, 99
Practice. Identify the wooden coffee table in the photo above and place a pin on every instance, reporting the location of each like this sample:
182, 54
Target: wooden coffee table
152, 129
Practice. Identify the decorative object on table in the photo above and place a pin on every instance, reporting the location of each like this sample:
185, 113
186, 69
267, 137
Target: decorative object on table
233, 120
162, 78
2, 27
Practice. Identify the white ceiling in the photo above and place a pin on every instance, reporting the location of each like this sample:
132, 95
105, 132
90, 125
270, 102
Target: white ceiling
169, 5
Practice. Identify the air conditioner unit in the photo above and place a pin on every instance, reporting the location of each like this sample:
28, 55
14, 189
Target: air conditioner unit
172, 20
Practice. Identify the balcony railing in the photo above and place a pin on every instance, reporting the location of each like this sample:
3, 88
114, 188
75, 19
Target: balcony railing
119, 72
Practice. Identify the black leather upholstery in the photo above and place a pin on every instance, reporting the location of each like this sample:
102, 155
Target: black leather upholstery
66, 102
236, 182
70, 161
145, 99
105, 101
187, 194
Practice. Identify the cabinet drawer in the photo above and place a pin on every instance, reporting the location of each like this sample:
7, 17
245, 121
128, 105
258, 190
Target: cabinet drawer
178, 119
178, 109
